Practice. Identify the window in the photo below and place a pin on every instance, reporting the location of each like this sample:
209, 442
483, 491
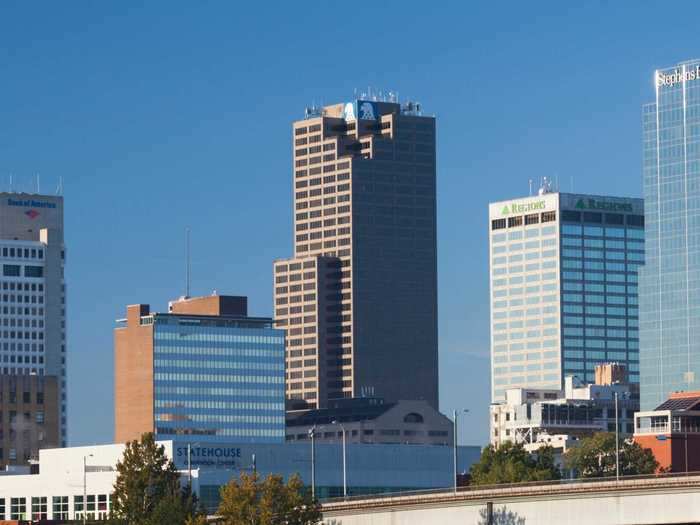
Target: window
39, 508
10, 270
18, 508
549, 216
515, 221
532, 219
60, 507
571, 216
496, 224
413, 417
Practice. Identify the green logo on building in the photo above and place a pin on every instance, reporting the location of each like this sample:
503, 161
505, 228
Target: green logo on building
523, 207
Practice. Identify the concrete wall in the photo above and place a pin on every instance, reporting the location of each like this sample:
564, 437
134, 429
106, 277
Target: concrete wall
642, 507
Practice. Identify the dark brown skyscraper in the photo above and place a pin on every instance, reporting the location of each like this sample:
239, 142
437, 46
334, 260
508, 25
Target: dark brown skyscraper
359, 297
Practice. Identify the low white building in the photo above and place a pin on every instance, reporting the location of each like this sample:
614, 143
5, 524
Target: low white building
65, 474
538, 417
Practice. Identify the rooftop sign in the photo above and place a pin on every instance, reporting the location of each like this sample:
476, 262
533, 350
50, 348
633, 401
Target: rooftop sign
677, 77
523, 207
594, 204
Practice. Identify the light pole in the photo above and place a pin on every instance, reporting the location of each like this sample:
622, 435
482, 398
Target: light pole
345, 472
312, 434
625, 395
454, 445
85, 487
189, 463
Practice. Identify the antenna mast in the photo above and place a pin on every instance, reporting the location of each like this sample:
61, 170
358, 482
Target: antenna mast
187, 262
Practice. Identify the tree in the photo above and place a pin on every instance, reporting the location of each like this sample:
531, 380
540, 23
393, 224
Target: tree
250, 501
594, 457
147, 489
511, 463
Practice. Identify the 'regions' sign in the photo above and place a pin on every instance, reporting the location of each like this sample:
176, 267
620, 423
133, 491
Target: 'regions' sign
595, 204
515, 208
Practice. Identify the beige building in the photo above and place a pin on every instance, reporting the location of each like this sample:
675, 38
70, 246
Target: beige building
28, 417
359, 298
370, 420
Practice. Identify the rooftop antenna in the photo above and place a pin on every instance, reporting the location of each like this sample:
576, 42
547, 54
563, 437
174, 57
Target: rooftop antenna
38, 186
59, 189
530, 187
572, 184
187, 262
10, 182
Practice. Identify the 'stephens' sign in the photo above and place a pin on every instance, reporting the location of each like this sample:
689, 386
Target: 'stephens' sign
678, 76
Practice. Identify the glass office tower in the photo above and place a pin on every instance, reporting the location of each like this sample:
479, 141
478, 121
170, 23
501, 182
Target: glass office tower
670, 281
204, 371
563, 288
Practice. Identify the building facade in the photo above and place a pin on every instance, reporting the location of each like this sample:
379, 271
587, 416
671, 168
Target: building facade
359, 297
548, 417
203, 371
563, 276
672, 432
670, 280
56, 492
371, 420
33, 310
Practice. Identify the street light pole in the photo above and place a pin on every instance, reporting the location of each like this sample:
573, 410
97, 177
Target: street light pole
617, 441
312, 432
85, 487
454, 444
454, 448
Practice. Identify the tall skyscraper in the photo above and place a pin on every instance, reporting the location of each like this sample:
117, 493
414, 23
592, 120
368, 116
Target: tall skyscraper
670, 284
204, 371
33, 320
563, 288
359, 297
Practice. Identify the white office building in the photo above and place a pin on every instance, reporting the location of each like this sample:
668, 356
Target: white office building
563, 276
32, 309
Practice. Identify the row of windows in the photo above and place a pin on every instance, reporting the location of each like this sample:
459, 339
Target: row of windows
180, 402
25, 253
206, 392
527, 301
12, 285
237, 432
518, 257
530, 312
600, 231
601, 343
162, 415
224, 335
597, 217
528, 245
532, 367
600, 332
218, 378
519, 220
185, 351
600, 321
164, 364
529, 233
15, 270
600, 310
597, 275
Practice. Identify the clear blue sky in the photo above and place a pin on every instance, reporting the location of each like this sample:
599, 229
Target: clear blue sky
163, 115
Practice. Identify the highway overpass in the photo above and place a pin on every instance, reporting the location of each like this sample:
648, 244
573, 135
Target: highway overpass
631, 501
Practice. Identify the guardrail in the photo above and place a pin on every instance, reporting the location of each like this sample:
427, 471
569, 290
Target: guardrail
479, 492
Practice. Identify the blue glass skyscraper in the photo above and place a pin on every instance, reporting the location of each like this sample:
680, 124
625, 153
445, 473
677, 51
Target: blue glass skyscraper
670, 280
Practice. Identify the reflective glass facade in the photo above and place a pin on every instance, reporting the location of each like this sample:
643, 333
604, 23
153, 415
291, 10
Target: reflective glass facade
217, 378
670, 281
563, 288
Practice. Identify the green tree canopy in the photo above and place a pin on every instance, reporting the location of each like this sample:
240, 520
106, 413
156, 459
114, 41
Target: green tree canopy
147, 489
511, 463
594, 457
252, 501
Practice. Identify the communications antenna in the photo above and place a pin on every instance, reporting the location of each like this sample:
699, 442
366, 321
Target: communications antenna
187, 262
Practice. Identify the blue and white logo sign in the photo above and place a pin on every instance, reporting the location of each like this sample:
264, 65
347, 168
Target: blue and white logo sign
349, 111
366, 110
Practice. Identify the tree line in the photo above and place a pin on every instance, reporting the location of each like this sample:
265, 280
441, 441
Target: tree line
592, 457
